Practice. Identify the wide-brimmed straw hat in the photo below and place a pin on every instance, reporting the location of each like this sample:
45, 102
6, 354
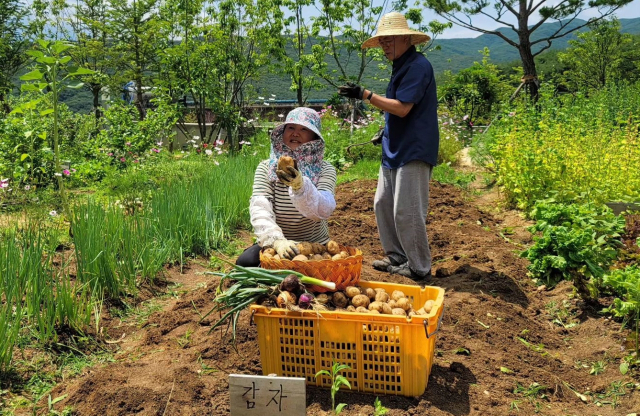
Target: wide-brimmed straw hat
303, 116
394, 24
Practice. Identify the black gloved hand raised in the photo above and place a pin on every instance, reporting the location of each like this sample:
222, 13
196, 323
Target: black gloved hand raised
351, 90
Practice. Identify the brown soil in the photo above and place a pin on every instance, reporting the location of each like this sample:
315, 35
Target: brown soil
172, 365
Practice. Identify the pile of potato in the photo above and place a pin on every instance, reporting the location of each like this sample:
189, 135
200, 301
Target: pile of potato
376, 301
313, 251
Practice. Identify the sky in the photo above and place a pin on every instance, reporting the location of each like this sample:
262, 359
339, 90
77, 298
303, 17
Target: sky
632, 10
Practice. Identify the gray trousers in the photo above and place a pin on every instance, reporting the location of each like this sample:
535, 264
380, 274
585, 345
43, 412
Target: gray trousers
401, 205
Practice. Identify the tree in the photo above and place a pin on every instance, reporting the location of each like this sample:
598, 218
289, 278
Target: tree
93, 49
529, 46
135, 31
13, 44
597, 56
297, 66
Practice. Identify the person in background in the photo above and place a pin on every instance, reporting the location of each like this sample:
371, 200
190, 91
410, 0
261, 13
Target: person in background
292, 206
409, 148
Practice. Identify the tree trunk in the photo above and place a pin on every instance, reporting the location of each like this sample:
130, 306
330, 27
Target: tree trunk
530, 76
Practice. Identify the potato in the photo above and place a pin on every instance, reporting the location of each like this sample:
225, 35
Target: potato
382, 297
352, 291
428, 305
339, 300
370, 292
360, 301
305, 249
397, 294
375, 306
344, 254
392, 303
362, 309
421, 311
276, 257
398, 311
411, 313
336, 257
323, 298
386, 309
318, 248
404, 303
300, 257
316, 257
333, 247
269, 251
351, 308
326, 256
285, 161
378, 289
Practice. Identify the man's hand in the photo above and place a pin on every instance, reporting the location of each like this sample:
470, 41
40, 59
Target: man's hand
351, 90
286, 249
290, 177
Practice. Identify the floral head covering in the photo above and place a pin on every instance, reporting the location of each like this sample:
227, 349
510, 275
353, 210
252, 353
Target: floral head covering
308, 155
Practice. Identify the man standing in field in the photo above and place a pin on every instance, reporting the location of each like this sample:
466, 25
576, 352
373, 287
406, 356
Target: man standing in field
409, 148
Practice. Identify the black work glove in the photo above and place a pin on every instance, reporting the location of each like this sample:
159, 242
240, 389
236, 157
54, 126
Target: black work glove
351, 90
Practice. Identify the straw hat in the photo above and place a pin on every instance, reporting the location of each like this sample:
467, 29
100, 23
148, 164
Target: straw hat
394, 24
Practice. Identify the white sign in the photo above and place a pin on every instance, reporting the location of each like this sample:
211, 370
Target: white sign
267, 395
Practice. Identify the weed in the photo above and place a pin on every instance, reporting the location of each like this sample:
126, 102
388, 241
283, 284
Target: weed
597, 368
533, 393
378, 408
337, 380
185, 340
561, 315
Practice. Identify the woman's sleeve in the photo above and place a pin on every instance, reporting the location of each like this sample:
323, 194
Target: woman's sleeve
316, 203
263, 218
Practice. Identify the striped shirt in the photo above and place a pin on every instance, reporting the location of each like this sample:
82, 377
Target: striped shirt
294, 225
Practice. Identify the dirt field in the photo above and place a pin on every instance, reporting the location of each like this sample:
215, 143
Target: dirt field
501, 333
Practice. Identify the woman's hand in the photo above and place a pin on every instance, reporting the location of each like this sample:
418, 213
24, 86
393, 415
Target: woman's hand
290, 177
286, 249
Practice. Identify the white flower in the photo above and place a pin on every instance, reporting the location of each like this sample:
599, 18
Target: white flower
266, 103
271, 98
208, 152
159, 143
260, 98
196, 137
53, 213
273, 95
250, 121
280, 115
58, 174
195, 145
216, 162
27, 187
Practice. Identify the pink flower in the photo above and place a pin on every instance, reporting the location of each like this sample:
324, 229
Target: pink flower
110, 154
128, 143
123, 159
73, 170
135, 161
66, 172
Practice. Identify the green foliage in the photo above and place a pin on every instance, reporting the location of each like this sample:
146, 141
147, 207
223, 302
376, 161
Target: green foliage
625, 284
337, 380
599, 56
378, 408
474, 92
127, 140
13, 43
582, 148
578, 243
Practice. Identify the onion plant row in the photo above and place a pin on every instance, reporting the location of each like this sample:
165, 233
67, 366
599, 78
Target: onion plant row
114, 251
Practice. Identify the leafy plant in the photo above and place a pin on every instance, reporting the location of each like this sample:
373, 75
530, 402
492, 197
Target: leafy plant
51, 73
578, 242
378, 408
337, 380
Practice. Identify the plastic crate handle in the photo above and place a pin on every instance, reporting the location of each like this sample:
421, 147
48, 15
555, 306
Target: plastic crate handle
425, 322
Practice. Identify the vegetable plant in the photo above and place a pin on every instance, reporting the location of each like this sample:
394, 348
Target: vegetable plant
337, 380
578, 242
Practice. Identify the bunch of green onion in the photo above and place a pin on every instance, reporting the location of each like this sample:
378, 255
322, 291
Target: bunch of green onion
250, 285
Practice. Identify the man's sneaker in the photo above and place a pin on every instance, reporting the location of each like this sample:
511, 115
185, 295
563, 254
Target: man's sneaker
384, 264
405, 270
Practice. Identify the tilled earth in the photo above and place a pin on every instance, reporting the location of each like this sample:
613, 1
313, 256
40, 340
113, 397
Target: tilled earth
506, 346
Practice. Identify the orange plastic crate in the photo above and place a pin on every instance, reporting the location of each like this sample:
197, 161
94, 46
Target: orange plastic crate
387, 354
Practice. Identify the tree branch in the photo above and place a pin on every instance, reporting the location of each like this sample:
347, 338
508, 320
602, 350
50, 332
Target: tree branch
557, 33
456, 21
511, 9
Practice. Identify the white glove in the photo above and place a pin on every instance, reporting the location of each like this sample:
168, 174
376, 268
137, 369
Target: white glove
286, 249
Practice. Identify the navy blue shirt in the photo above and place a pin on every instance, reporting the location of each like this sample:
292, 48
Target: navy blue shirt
414, 136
